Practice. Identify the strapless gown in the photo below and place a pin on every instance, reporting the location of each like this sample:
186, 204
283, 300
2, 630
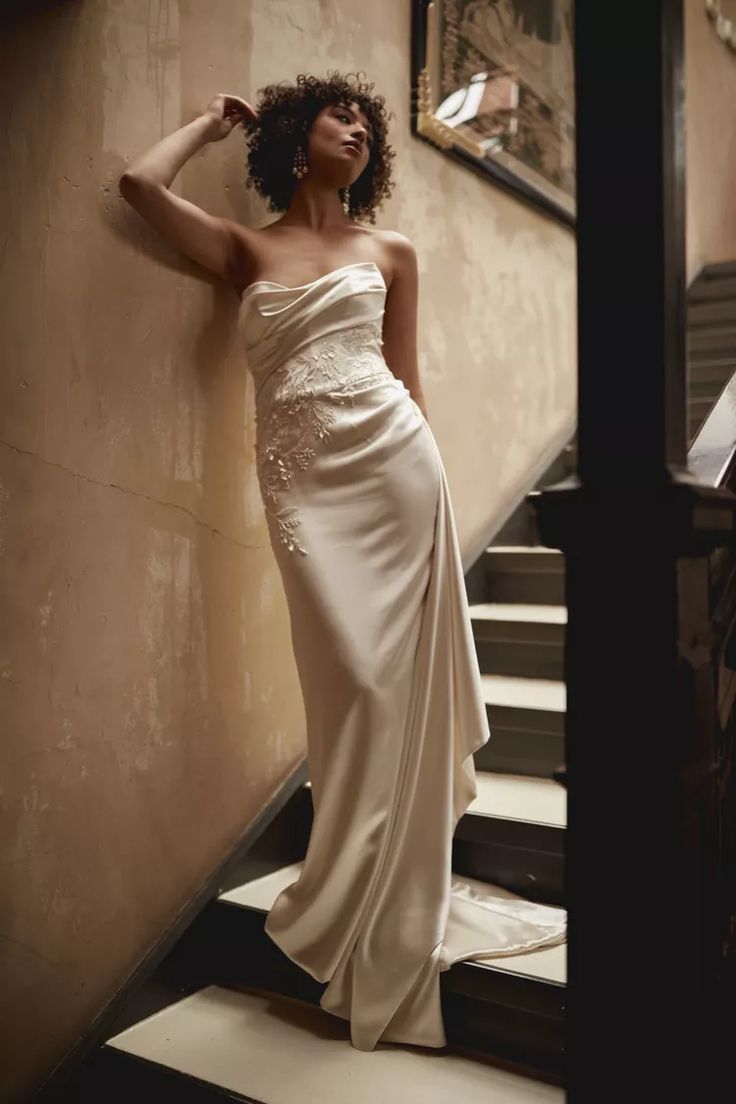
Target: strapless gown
362, 528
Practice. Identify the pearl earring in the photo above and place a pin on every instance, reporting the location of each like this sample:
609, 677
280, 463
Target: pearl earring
346, 200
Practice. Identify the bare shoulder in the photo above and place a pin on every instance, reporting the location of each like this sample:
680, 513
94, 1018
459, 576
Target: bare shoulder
398, 252
401, 256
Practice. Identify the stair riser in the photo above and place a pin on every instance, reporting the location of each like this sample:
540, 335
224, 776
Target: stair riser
719, 271
521, 659
537, 875
514, 750
536, 588
533, 1042
718, 341
705, 390
699, 406
524, 857
723, 361
716, 312
505, 561
520, 529
709, 291
501, 631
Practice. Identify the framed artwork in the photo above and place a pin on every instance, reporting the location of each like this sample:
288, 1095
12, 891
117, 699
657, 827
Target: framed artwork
493, 85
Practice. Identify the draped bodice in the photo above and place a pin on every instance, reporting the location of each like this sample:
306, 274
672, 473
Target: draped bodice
322, 335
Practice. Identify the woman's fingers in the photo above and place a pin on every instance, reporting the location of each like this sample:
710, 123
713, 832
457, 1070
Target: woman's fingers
241, 106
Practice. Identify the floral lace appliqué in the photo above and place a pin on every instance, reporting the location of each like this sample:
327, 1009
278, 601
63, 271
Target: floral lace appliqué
297, 416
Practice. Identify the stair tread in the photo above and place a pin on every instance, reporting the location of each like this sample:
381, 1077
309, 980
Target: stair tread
524, 693
237, 1041
520, 797
536, 548
519, 611
549, 963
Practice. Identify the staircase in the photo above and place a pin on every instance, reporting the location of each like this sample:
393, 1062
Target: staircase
226, 1016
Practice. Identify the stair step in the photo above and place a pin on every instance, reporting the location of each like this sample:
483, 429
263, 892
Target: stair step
700, 389
534, 696
532, 800
700, 405
708, 339
520, 529
533, 575
518, 613
710, 373
508, 1006
715, 288
718, 271
224, 1044
518, 638
526, 717
513, 835
721, 311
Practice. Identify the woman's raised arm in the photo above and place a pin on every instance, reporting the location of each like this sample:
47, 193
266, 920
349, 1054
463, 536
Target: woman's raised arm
145, 186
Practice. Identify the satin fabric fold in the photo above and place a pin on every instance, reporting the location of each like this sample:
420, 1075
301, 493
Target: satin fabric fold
363, 531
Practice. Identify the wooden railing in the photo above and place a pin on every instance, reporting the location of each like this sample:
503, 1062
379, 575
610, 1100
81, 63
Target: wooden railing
712, 460
647, 528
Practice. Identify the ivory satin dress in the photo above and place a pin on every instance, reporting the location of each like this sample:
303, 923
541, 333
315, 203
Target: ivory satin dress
360, 520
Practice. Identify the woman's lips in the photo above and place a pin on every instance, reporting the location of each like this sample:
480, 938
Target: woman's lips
352, 146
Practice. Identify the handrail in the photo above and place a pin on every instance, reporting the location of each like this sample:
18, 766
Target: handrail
712, 455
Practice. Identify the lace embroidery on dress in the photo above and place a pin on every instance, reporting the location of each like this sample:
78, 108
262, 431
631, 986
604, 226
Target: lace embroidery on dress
298, 415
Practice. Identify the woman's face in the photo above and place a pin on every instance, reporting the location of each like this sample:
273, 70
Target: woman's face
339, 143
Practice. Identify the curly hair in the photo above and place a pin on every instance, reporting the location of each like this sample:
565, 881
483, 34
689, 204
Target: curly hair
286, 111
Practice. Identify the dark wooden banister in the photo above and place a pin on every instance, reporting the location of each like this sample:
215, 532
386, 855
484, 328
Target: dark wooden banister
647, 529
712, 455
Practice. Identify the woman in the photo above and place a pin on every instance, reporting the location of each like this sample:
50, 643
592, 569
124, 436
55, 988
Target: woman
361, 524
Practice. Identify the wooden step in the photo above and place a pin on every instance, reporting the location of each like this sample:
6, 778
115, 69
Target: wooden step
529, 574
706, 390
224, 1044
520, 530
710, 340
526, 717
510, 1007
717, 370
513, 835
520, 639
713, 311
723, 269
715, 288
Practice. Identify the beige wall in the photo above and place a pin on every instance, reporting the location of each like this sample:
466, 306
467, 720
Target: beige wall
710, 93
150, 704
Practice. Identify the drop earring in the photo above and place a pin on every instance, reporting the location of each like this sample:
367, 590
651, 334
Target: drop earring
346, 200
299, 167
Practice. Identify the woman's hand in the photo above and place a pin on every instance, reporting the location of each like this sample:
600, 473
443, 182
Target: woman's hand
224, 112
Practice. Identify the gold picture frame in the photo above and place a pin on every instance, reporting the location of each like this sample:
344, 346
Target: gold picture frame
493, 85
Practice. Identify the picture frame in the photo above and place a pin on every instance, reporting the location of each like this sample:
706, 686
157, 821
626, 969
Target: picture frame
493, 87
